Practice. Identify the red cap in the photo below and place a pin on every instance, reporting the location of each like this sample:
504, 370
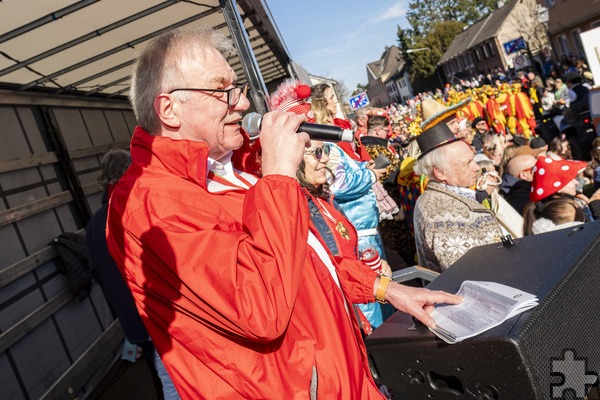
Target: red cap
549, 176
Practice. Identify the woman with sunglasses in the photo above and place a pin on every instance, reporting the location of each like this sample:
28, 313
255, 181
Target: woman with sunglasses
349, 180
328, 222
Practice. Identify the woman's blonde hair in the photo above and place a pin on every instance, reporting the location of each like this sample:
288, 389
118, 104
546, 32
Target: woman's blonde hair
321, 113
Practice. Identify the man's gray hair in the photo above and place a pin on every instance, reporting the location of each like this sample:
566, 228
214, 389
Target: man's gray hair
158, 67
112, 166
435, 158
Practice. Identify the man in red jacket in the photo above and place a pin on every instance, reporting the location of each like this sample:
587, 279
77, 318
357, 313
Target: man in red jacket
240, 299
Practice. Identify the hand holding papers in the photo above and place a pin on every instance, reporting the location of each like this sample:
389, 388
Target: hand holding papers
485, 305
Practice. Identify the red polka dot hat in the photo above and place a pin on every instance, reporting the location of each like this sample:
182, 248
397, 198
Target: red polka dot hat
549, 176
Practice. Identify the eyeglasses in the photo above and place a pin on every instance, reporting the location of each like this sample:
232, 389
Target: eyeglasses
233, 95
318, 152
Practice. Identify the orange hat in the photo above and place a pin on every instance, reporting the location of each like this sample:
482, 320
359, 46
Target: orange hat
549, 176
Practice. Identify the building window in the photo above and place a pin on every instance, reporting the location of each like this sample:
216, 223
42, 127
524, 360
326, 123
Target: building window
486, 55
577, 40
564, 45
466, 60
491, 48
477, 55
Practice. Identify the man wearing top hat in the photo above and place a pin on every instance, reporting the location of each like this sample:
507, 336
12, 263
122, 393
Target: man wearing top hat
481, 128
448, 220
411, 183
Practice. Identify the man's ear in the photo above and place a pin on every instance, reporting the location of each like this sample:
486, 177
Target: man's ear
167, 110
440, 174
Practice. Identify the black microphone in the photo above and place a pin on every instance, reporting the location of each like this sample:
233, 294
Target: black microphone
251, 124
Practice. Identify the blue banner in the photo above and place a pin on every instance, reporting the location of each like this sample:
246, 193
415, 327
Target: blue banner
358, 101
515, 45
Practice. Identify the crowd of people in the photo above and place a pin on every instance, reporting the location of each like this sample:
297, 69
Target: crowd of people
259, 266
512, 103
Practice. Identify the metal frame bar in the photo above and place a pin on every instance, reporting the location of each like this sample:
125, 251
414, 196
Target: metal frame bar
88, 36
416, 272
117, 49
46, 20
250, 66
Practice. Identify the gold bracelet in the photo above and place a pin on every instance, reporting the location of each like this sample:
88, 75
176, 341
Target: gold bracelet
382, 288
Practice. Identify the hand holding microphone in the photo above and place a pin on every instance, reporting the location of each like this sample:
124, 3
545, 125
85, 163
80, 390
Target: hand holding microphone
328, 133
282, 147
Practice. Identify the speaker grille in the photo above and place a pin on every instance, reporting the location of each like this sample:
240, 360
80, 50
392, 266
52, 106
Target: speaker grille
524, 357
566, 322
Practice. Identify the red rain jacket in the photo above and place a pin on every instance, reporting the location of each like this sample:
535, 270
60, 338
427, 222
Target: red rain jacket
236, 302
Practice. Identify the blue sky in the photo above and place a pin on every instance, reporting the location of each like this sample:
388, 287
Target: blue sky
338, 38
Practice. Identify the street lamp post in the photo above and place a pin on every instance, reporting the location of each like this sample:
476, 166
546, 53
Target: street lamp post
419, 49
543, 16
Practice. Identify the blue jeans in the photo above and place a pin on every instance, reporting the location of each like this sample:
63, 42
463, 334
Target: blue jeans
168, 387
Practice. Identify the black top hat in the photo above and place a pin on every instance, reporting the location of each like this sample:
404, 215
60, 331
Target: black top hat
476, 121
434, 137
537, 143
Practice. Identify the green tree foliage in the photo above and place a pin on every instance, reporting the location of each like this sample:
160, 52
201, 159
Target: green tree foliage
423, 14
437, 40
359, 89
422, 54
434, 25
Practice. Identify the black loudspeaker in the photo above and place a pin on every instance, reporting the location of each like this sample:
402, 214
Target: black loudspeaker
550, 351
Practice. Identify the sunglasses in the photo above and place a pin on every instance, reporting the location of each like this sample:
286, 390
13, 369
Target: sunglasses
318, 152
